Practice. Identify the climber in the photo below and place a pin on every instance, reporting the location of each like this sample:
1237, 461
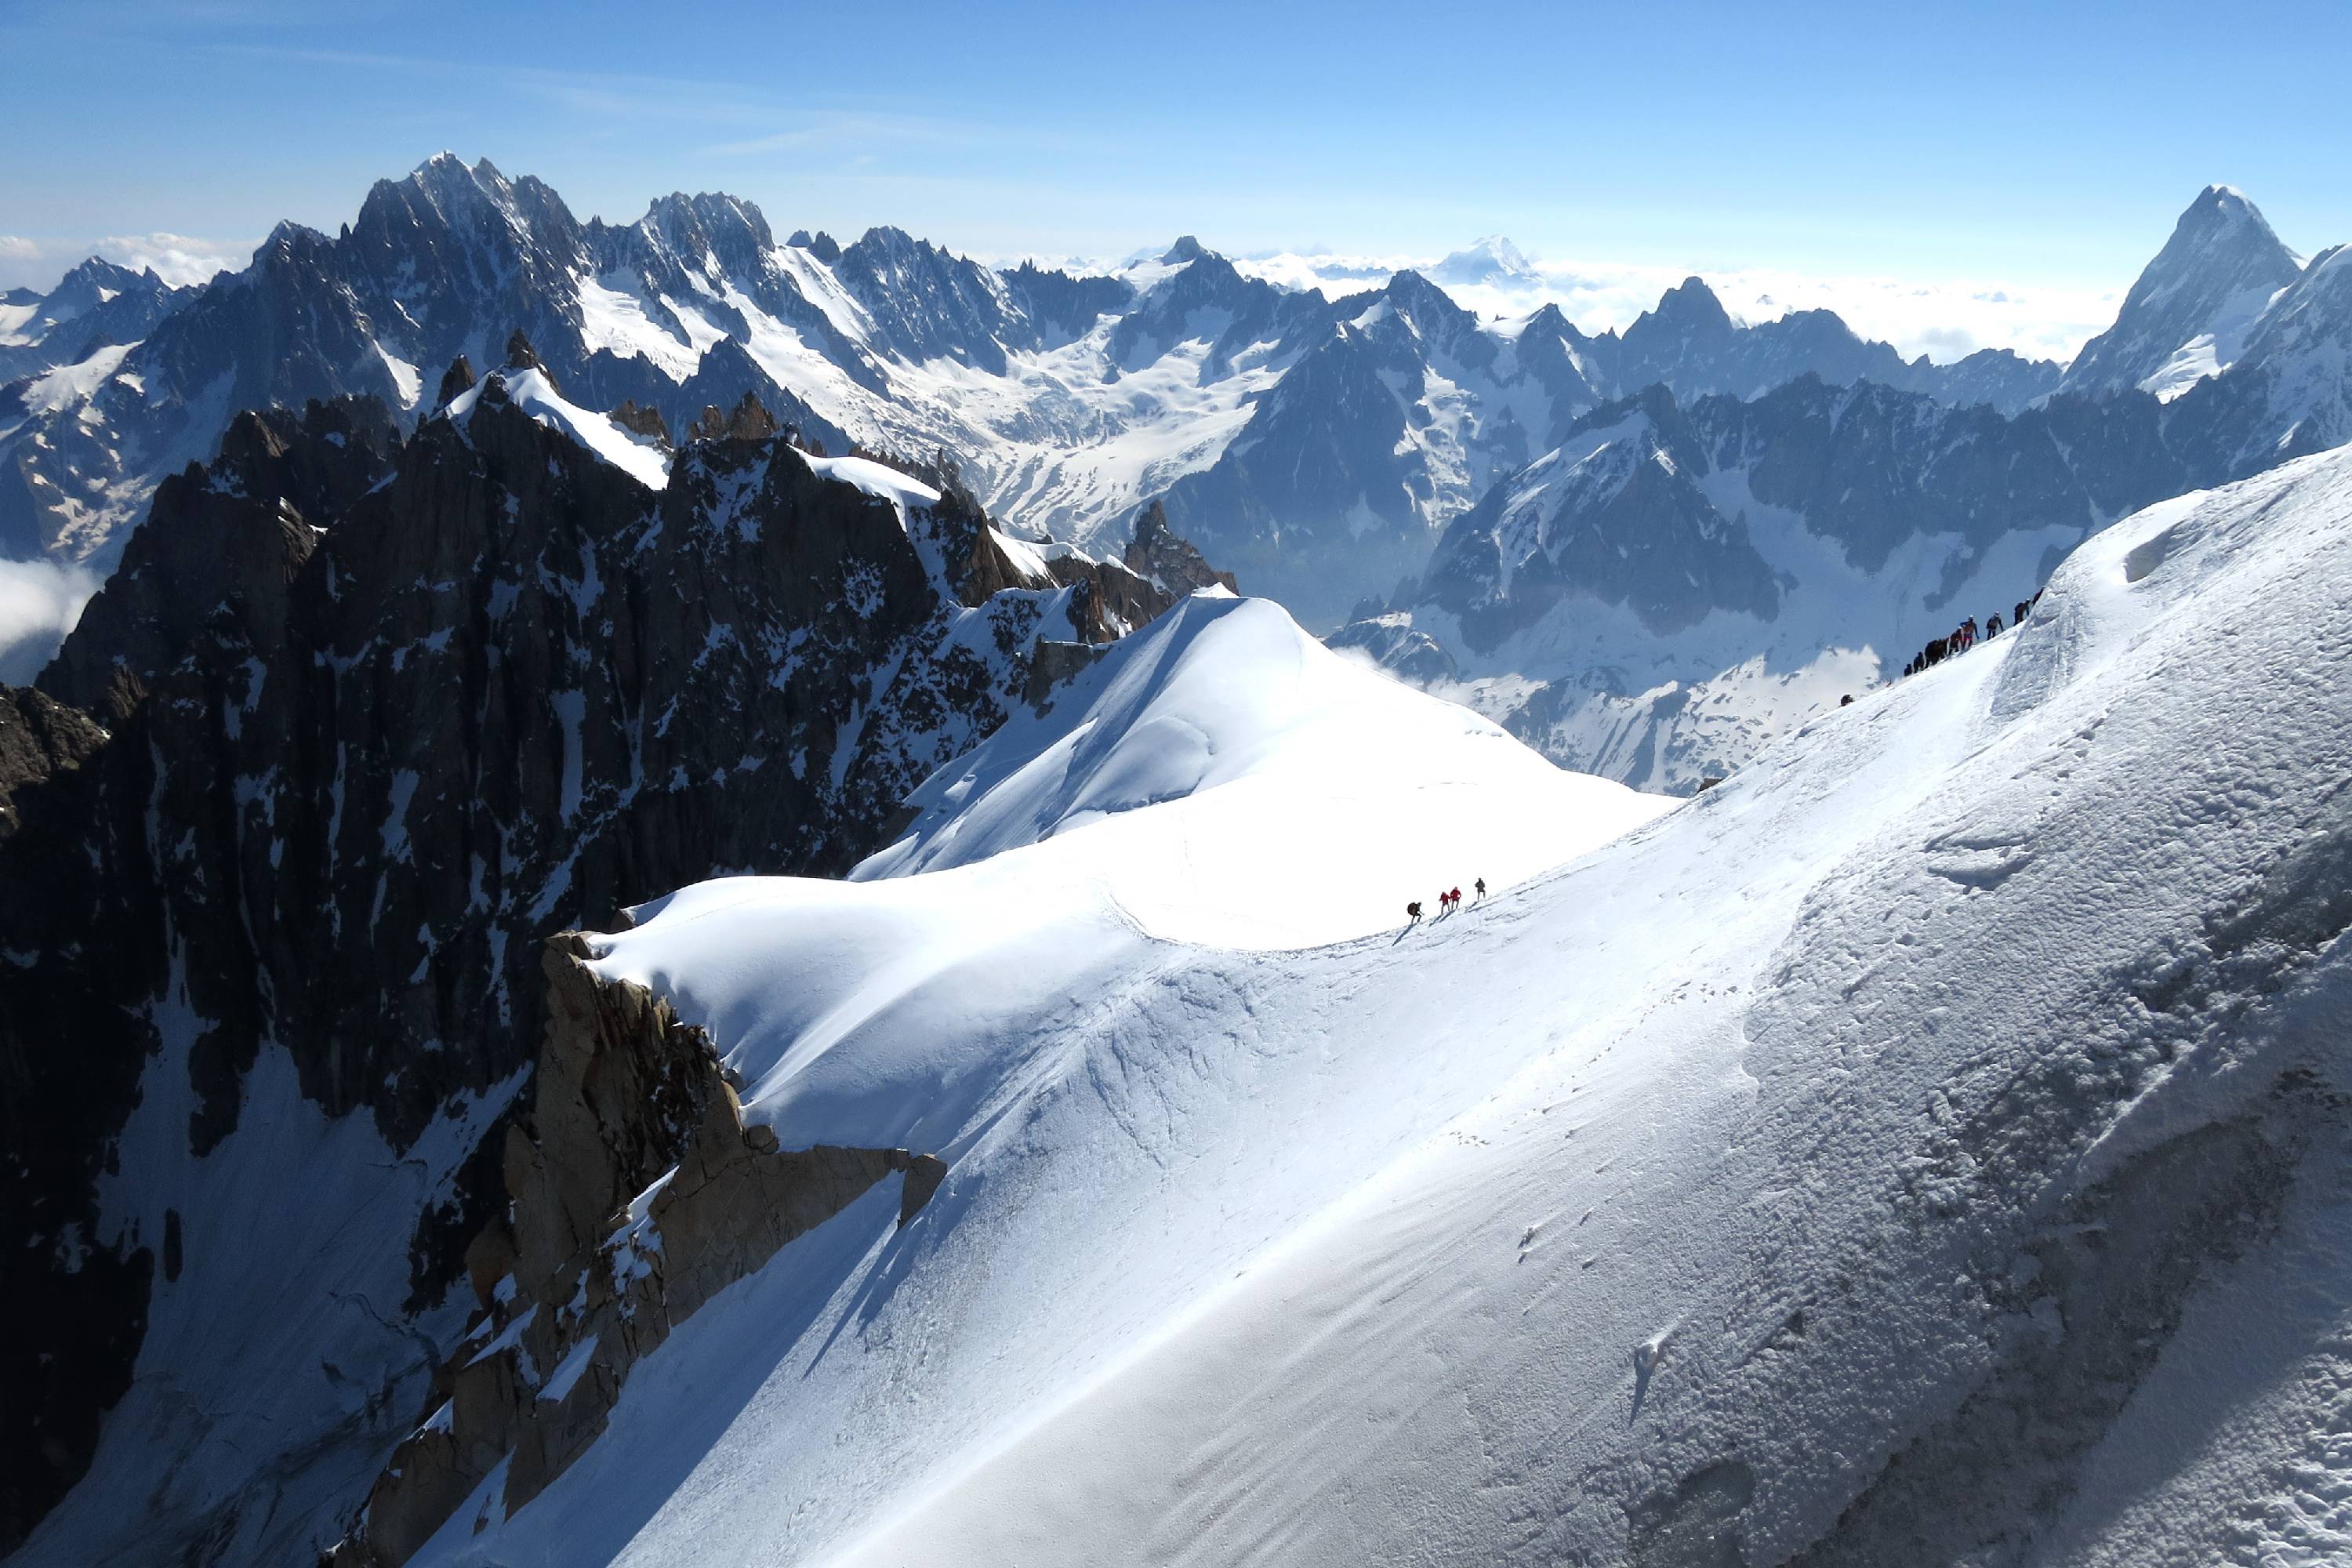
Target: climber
1846, 700
1480, 886
1454, 898
1992, 625
1412, 912
2019, 619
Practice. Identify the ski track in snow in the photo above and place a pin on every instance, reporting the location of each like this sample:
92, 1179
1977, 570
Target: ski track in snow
1666, 1199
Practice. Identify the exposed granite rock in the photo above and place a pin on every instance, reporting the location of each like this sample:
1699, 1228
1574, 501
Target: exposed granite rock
522, 357
1174, 565
226, 543
634, 416
39, 737
748, 421
455, 382
635, 1196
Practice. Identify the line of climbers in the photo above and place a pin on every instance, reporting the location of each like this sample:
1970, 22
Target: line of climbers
1447, 902
1966, 636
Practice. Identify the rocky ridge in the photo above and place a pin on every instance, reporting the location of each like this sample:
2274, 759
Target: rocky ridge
1078, 397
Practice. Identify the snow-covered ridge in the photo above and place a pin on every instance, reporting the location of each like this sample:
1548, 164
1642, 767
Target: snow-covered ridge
528, 388
1272, 768
1930, 1141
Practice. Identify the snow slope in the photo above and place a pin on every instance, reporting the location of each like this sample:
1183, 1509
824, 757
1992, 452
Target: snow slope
1231, 782
1927, 1146
641, 457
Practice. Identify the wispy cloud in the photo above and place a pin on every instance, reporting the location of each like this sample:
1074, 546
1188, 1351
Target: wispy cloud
39, 603
1944, 320
611, 94
844, 130
176, 258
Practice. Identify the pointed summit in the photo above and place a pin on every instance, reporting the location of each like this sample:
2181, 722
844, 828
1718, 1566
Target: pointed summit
1688, 317
2188, 313
1692, 301
1185, 251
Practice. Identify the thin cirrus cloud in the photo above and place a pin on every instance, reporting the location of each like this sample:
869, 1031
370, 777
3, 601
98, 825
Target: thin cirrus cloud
867, 131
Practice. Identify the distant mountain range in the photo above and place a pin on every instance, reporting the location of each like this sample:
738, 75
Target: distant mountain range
1070, 399
1464, 490
1679, 579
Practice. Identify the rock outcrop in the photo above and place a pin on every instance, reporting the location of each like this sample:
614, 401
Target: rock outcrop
636, 1194
1172, 564
39, 738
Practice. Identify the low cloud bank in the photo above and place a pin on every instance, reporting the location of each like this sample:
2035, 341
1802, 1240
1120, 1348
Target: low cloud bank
39, 603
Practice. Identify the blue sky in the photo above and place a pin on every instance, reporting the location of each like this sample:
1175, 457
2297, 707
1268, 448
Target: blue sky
2035, 145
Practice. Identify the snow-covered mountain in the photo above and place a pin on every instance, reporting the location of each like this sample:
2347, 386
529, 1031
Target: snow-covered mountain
1928, 1146
362, 718
2190, 311
1674, 585
96, 305
1068, 400
1675, 581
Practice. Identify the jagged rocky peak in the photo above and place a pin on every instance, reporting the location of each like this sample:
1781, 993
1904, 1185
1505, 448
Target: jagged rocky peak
639, 419
520, 355
1172, 564
821, 245
711, 230
2190, 311
221, 548
1434, 313
1184, 252
1690, 308
455, 382
749, 420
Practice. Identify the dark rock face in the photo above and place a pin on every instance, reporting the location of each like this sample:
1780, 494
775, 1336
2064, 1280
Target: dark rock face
2221, 262
227, 543
575, 1287
39, 738
928, 303
1065, 308
1618, 517
428, 703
